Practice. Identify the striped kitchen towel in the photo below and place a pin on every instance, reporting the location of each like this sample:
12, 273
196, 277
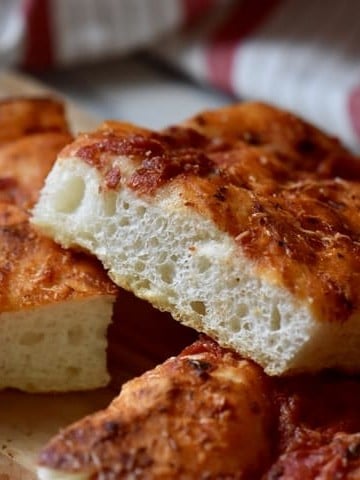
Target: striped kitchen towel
298, 54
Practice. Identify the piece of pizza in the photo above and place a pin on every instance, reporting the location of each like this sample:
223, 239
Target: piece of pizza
55, 305
243, 223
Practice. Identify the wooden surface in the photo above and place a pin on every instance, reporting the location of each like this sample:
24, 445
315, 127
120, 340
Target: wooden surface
140, 337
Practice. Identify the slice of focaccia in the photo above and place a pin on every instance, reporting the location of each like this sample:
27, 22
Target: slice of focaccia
55, 306
209, 414
201, 415
242, 222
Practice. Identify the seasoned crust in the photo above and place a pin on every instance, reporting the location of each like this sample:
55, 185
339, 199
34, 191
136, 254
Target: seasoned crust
27, 116
209, 414
25, 163
201, 415
285, 192
35, 271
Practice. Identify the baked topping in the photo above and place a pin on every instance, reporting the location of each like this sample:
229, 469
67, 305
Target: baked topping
288, 194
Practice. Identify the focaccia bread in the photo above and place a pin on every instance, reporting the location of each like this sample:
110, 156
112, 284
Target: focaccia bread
209, 414
204, 414
55, 305
242, 222
20, 117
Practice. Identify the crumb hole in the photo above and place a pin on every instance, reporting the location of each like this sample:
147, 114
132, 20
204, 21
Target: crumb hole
140, 211
275, 319
31, 338
198, 307
139, 267
235, 324
203, 264
110, 204
143, 284
75, 335
159, 223
153, 242
126, 206
242, 310
167, 272
124, 221
69, 197
111, 230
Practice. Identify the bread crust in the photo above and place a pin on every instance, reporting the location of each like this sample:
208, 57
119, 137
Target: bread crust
203, 414
208, 413
35, 271
20, 117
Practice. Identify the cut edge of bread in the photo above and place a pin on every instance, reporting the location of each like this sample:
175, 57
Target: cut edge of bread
57, 347
181, 262
45, 473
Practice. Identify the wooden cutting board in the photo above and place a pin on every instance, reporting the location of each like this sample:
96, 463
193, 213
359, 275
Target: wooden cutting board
139, 338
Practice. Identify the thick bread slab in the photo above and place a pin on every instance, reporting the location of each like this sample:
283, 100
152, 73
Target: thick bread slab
243, 223
209, 414
55, 305
204, 414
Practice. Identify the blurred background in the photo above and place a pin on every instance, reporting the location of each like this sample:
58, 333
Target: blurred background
156, 62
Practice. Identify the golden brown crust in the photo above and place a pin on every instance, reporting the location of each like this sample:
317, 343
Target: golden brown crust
198, 416
208, 414
25, 163
288, 194
26, 116
34, 271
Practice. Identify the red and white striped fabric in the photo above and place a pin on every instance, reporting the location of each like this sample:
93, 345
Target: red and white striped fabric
298, 54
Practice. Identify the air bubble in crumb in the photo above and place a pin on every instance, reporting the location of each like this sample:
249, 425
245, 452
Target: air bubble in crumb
204, 264
143, 284
140, 211
242, 309
70, 195
235, 324
167, 272
198, 307
124, 222
110, 204
275, 320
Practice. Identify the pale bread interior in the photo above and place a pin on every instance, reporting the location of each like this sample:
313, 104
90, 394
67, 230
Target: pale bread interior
45, 473
181, 262
57, 347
